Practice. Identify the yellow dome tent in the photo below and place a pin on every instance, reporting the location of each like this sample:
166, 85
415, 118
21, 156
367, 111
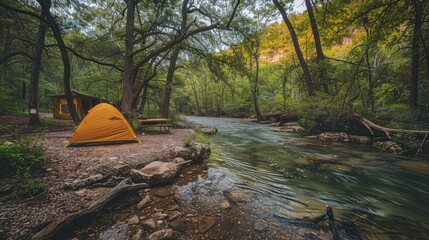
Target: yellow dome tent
103, 124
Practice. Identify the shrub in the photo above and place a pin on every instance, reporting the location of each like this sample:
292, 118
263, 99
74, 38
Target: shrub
21, 158
187, 141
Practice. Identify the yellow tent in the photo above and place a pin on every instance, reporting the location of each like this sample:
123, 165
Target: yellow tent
103, 124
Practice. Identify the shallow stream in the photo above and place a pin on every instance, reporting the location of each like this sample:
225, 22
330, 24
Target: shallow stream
263, 184
373, 194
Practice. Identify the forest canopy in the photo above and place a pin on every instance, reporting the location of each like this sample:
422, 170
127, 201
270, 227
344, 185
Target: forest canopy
218, 58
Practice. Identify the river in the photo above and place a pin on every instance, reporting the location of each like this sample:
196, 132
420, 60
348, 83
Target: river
262, 184
374, 194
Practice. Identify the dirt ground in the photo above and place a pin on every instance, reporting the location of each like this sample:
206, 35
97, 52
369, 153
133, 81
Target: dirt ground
22, 218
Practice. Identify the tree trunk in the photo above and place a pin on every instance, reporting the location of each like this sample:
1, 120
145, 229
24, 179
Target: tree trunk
129, 73
298, 51
143, 101
418, 10
315, 30
256, 90
64, 57
33, 110
169, 82
318, 45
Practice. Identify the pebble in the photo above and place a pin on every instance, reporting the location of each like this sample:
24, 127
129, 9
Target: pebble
260, 225
133, 220
149, 223
143, 202
207, 182
206, 224
225, 204
138, 235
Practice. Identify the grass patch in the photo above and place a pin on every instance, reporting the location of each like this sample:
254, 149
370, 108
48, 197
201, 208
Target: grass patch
201, 137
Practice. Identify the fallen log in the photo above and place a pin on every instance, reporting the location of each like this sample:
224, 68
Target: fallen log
58, 226
370, 125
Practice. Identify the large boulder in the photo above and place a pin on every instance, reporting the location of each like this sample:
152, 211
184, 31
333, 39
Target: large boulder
157, 172
388, 146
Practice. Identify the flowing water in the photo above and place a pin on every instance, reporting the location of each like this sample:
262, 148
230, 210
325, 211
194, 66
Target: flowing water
374, 194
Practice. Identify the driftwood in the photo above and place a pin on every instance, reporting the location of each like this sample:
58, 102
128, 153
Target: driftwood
58, 226
370, 125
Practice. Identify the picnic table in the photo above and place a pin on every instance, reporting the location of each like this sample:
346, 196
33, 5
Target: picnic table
164, 124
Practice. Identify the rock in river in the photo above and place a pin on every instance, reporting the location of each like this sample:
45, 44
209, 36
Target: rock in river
388, 146
157, 172
205, 224
260, 225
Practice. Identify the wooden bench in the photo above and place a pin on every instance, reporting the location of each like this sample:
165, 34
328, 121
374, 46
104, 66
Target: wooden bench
163, 124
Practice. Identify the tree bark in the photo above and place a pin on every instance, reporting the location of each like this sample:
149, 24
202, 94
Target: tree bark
298, 51
315, 30
418, 11
33, 110
256, 90
169, 82
55, 228
129, 73
64, 57
318, 45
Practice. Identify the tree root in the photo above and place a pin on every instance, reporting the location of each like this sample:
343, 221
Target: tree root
56, 227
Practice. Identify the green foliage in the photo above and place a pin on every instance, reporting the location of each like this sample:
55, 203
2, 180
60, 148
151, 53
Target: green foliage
21, 158
201, 137
320, 113
408, 142
187, 141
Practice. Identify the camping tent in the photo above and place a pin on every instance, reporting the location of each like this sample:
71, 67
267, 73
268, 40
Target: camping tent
83, 102
103, 124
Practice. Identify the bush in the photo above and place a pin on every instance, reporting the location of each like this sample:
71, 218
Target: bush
321, 113
21, 158
187, 141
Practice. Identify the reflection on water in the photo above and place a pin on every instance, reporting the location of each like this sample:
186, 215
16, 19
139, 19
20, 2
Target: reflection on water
379, 193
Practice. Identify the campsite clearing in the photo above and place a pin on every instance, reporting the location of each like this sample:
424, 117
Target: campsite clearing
21, 218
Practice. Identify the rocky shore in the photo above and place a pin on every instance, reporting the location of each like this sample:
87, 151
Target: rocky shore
77, 177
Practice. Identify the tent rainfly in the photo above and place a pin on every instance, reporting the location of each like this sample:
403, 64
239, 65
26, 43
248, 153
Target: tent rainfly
103, 124
83, 102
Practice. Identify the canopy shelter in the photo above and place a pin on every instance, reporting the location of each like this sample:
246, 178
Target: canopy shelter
83, 102
103, 124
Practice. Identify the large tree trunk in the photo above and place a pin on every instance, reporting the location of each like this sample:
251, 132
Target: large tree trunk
129, 74
418, 11
33, 110
169, 82
64, 57
315, 30
318, 45
298, 51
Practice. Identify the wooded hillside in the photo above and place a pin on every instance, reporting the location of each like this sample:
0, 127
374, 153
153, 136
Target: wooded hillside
232, 58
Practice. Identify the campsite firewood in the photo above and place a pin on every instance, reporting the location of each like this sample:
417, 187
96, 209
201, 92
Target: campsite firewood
58, 226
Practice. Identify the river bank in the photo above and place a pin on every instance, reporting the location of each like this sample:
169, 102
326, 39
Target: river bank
71, 172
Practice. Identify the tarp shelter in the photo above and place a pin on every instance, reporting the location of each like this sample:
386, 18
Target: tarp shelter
83, 102
103, 124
